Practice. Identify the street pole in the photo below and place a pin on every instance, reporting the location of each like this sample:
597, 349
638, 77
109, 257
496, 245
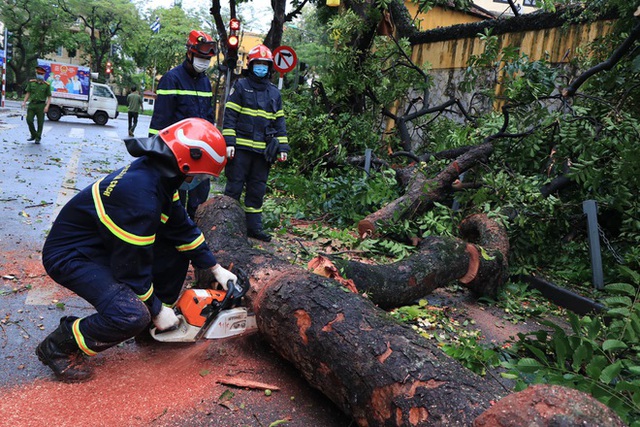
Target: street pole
4, 67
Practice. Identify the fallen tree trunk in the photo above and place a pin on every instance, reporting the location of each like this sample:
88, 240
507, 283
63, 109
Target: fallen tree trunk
423, 192
379, 372
482, 267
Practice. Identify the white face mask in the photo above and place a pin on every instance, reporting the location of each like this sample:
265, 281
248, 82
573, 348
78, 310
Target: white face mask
200, 64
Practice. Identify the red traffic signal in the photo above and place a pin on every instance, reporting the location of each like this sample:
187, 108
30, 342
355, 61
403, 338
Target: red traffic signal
109, 68
232, 41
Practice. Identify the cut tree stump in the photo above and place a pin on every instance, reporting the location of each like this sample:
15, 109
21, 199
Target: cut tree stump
374, 369
479, 263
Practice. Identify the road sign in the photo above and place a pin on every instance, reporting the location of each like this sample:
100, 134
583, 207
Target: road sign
284, 59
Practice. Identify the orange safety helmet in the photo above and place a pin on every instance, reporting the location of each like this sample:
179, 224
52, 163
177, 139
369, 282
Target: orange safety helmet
201, 43
197, 145
260, 52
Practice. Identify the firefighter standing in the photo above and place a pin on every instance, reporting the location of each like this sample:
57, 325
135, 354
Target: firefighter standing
125, 242
253, 118
38, 93
183, 92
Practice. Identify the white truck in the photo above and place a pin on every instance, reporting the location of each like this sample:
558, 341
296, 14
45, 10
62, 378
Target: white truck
73, 93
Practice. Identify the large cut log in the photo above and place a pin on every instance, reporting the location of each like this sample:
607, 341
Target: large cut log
480, 263
377, 371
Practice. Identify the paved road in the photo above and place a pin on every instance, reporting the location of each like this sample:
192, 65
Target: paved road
36, 180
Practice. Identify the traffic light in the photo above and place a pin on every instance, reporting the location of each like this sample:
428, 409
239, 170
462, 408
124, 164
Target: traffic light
109, 68
233, 40
9, 46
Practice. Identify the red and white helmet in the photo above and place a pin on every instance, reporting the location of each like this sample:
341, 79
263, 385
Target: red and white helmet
197, 145
260, 52
201, 43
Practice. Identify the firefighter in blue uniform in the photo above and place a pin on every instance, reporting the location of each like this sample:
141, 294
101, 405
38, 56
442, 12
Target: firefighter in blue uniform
184, 92
124, 244
253, 119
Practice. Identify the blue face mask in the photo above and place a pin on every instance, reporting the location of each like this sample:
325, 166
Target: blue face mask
260, 70
197, 179
40, 76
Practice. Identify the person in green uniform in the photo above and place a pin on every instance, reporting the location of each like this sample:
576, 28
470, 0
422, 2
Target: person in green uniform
38, 93
135, 105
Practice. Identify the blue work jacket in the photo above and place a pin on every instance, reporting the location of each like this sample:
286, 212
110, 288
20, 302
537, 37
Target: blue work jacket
181, 96
254, 106
117, 220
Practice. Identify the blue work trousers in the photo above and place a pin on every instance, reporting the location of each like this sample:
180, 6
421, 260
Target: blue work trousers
120, 313
248, 170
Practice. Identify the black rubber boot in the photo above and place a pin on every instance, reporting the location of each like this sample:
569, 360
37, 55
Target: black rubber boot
60, 352
259, 234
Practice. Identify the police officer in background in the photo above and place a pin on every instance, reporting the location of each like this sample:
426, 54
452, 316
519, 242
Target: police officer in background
184, 92
256, 135
38, 93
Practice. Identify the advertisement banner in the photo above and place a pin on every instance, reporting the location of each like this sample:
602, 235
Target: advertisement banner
66, 80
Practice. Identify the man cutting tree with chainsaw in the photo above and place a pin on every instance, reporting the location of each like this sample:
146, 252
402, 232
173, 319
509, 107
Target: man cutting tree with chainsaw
124, 244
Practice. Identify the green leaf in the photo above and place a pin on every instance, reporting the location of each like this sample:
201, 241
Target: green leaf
528, 365
485, 255
595, 367
621, 289
509, 376
619, 312
613, 345
619, 301
610, 372
581, 354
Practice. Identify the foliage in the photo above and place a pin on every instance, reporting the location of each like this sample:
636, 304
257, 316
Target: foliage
458, 339
343, 199
600, 355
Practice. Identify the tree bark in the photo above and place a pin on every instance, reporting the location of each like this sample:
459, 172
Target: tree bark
377, 371
423, 192
482, 267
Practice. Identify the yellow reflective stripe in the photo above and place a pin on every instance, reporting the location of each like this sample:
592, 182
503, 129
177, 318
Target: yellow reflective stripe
184, 92
280, 113
75, 328
253, 112
189, 246
228, 132
250, 143
147, 294
176, 196
233, 106
248, 209
283, 139
111, 226
154, 131
164, 218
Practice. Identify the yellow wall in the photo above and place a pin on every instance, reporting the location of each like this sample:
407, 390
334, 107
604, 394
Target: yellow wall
561, 44
438, 17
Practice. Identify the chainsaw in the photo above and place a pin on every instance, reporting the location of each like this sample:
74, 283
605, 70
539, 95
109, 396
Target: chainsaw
210, 314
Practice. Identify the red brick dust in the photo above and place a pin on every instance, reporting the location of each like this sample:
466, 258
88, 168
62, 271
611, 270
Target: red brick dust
19, 268
546, 405
169, 385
